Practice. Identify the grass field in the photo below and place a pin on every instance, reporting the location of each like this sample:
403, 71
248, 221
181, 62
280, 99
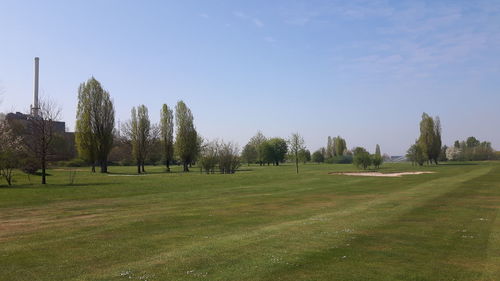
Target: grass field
263, 223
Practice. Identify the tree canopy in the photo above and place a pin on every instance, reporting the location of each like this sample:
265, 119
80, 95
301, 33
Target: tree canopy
187, 142
95, 121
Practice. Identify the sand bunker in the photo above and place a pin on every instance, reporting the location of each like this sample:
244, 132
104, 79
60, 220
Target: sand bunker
378, 174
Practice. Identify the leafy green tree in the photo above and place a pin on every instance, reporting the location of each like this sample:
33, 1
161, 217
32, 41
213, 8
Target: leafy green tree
318, 157
187, 142
257, 142
167, 134
416, 154
430, 137
340, 146
442, 154
330, 148
472, 142
139, 131
362, 158
437, 143
267, 152
95, 124
305, 155
275, 150
249, 153
296, 144
358, 149
84, 135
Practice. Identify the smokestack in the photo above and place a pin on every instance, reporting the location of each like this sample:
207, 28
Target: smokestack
36, 106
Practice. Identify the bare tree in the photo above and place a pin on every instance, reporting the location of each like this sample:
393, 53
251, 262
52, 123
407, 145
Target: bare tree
229, 159
209, 156
296, 143
41, 133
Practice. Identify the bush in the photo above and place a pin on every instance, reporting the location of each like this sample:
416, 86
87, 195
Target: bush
317, 157
344, 159
30, 165
377, 160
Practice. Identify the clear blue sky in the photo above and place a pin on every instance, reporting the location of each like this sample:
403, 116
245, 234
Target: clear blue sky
362, 70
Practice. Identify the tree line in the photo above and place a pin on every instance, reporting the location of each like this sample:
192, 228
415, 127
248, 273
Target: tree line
30, 145
470, 149
95, 131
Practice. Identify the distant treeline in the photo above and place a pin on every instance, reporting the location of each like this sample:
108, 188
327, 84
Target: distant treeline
470, 150
31, 141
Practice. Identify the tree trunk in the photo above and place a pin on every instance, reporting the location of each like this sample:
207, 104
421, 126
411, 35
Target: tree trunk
93, 167
104, 167
297, 163
142, 165
8, 176
44, 180
168, 166
138, 167
186, 169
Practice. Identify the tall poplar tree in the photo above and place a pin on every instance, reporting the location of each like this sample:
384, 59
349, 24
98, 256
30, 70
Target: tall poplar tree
186, 142
377, 157
95, 121
139, 131
167, 134
340, 146
430, 137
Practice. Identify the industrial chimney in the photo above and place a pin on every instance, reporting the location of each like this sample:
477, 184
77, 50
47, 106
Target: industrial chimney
35, 107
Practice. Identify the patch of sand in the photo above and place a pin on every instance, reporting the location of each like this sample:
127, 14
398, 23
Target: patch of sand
378, 174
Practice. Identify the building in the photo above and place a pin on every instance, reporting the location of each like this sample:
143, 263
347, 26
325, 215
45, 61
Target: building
63, 147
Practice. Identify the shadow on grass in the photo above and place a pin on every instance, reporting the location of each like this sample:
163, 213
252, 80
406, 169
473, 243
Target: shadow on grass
53, 185
245, 170
145, 173
457, 164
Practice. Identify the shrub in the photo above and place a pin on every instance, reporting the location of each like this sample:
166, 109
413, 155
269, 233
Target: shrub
343, 159
30, 165
377, 160
318, 157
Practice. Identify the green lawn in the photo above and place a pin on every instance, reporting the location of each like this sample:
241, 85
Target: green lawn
263, 223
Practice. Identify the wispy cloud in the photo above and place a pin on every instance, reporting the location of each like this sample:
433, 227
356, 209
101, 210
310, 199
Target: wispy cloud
255, 21
258, 22
240, 15
413, 39
203, 15
270, 39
